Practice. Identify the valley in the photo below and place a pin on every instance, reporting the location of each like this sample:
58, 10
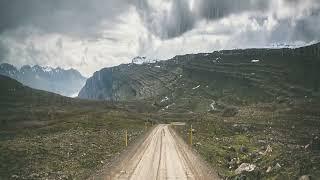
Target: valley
256, 107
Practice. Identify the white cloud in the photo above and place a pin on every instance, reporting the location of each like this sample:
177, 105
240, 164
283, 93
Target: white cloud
117, 44
158, 29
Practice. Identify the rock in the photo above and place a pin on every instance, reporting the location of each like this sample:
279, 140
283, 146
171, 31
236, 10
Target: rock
307, 146
277, 166
305, 177
262, 141
245, 167
269, 169
198, 144
243, 149
34, 175
269, 149
15, 176
232, 163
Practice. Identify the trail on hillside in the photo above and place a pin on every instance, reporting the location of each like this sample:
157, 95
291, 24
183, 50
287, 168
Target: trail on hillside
162, 155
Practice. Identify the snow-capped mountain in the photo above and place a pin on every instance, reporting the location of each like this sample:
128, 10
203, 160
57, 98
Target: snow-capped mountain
57, 80
142, 60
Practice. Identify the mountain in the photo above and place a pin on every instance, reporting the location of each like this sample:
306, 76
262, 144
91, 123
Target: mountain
57, 80
249, 73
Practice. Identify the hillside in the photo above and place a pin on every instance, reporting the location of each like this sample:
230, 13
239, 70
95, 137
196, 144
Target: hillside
48, 136
57, 80
256, 106
261, 73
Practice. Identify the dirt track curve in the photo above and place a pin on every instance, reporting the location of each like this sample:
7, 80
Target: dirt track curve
162, 155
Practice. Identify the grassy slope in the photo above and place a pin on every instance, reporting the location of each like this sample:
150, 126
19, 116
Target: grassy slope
219, 140
44, 135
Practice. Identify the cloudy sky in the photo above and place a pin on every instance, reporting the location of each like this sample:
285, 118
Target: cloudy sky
91, 34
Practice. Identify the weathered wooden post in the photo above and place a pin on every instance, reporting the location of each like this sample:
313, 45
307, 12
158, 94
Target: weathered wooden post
126, 137
191, 135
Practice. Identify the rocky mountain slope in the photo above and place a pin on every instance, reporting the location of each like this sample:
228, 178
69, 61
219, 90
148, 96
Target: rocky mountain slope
260, 73
64, 82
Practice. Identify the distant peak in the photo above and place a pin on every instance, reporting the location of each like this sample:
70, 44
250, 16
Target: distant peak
142, 60
25, 67
6, 65
47, 69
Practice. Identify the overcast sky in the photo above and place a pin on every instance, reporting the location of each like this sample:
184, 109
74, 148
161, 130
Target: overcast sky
91, 34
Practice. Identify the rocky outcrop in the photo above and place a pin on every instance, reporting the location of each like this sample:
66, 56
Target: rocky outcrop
129, 82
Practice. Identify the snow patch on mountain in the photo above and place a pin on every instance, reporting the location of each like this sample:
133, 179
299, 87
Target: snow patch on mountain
143, 60
47, 69
196, 87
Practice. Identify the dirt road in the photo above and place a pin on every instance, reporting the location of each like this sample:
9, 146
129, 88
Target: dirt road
162, 155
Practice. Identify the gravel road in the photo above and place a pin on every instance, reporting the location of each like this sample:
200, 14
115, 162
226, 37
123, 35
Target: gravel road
162, 155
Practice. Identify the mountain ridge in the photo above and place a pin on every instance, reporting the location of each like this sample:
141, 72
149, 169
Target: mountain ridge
255, 67
57, 80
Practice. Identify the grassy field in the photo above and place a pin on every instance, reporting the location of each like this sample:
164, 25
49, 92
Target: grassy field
47, 136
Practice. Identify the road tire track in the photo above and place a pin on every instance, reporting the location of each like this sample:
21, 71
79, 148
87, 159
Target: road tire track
162, 155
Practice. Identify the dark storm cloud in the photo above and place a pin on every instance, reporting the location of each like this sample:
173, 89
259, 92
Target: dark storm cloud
3, 52
215, 9
304, 29
308, 28
84, 17
180, 18
169, 24
79, 17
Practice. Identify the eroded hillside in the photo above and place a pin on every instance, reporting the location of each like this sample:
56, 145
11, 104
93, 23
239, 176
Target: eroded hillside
253, 75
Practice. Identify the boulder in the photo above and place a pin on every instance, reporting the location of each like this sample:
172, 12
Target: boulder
305, 177
277, 166
269, 169
245, 167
